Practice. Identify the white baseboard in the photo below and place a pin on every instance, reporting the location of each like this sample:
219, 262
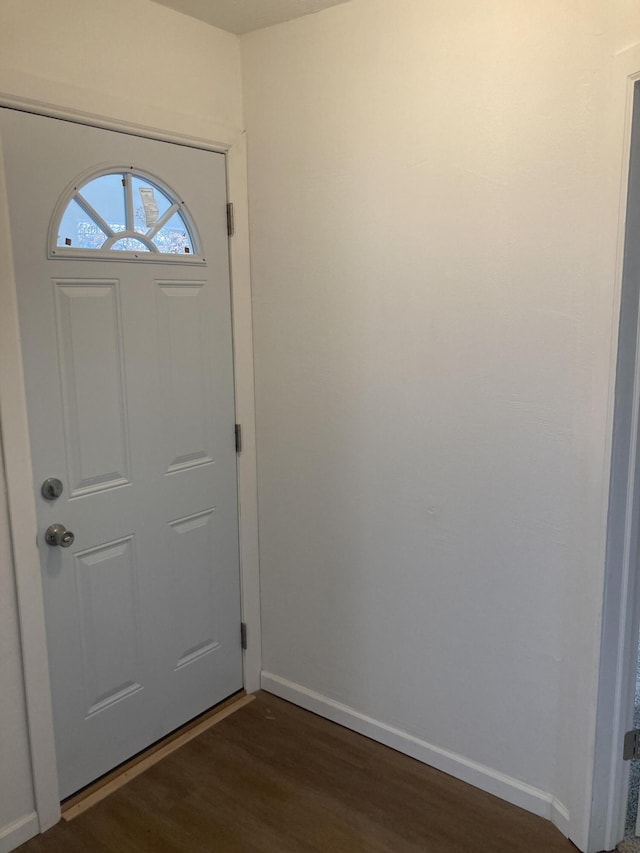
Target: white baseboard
493, 782
14, 834
559, 817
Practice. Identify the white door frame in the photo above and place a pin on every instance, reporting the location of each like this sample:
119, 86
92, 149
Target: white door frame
17, 454
622, 570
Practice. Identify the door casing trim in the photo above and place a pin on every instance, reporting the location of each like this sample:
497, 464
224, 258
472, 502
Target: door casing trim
621, 593
16, 449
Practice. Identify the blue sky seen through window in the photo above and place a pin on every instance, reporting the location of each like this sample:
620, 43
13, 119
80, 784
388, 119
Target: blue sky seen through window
101, 209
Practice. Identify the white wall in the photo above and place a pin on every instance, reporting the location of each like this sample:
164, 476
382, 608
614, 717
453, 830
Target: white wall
16, 794
134, 61
434, 310
137, 61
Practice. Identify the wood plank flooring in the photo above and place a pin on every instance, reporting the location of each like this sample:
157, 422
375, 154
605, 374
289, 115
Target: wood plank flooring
276, 779
104, 787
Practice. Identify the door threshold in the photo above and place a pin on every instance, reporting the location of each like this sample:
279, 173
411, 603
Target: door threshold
78, 803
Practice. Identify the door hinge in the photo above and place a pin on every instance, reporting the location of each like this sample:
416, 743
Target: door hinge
243, 635
231, 228
238, 438
631, 748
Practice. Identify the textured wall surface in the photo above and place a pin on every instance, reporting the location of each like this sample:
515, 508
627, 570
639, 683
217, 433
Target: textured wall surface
434, 318
137, 61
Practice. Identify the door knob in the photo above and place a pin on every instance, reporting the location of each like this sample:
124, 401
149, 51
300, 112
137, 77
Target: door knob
58, 535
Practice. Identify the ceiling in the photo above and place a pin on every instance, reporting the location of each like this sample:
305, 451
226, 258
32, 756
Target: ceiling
242, 16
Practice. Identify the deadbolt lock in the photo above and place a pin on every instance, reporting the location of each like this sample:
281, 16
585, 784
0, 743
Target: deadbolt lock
51, 489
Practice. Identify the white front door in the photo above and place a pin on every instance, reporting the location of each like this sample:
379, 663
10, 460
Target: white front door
129, 379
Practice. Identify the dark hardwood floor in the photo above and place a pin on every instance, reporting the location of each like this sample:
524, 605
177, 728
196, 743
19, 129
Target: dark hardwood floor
275, 778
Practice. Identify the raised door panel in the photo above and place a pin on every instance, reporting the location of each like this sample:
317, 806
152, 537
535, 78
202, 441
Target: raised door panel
108, 610
186, 373
193, 568
91, 362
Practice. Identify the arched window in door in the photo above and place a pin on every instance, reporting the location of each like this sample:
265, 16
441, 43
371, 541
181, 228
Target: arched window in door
122, 213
